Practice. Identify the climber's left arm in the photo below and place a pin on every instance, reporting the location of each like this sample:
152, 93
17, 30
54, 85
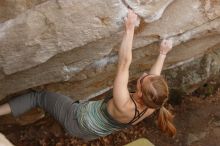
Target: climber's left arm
165, 47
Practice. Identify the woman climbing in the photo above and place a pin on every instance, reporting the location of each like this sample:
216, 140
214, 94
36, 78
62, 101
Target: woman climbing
92, 119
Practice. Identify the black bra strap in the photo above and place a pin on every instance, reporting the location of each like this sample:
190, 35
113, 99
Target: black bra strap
137, 114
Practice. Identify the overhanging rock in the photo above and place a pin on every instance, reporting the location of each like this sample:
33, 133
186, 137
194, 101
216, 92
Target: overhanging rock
70, 46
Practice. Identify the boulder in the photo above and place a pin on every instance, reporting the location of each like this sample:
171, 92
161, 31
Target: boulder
71, 47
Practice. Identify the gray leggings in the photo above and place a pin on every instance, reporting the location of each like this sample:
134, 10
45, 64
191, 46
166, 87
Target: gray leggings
61, 107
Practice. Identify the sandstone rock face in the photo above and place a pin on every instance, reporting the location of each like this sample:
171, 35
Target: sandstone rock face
70, 46
9, 9
147, 9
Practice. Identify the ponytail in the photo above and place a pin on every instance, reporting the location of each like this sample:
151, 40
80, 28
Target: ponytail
155, 95
165, 119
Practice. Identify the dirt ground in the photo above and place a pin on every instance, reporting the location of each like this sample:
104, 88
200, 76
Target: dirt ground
197, 120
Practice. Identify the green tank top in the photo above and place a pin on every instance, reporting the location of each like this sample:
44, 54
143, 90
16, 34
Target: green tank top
93, 118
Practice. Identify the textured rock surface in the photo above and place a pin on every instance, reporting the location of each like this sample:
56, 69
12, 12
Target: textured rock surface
147, 9
69, 46
9, 9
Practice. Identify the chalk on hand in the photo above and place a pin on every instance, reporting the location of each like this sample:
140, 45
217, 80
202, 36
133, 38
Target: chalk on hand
148, 10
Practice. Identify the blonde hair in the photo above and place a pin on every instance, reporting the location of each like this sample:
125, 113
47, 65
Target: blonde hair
155, 94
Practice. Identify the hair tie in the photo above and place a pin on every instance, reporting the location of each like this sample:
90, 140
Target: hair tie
164, 102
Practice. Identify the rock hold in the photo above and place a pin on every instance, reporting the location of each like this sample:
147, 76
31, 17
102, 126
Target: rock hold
148, 10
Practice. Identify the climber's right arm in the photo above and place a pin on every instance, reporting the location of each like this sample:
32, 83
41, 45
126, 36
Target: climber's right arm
120, 90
